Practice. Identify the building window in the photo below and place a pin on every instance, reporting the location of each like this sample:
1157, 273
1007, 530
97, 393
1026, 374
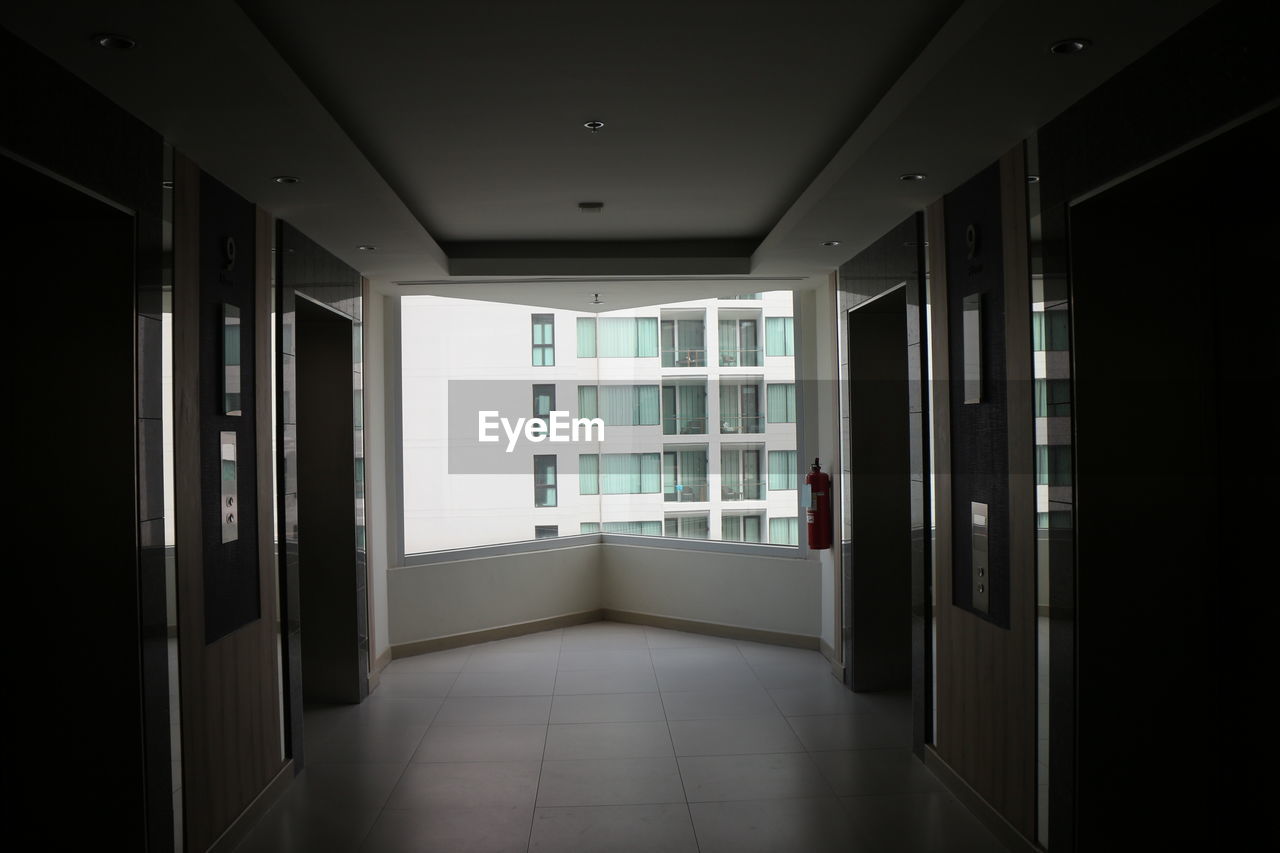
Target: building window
740, 528
753, 296
782, 403
620, 405
782, 470
684, 475
784, 531
1054, 519
586, 337
684, 343
684, 409
740, 478
544, 480
779, 336
544, 340
623, 337
546, 531
739, 343
630, 528
740, 408
619, 474
1053, 398
544, 401
1050, 331
1053, 465
687, 526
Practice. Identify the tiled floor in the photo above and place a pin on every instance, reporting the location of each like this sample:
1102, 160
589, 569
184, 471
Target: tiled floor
615, 737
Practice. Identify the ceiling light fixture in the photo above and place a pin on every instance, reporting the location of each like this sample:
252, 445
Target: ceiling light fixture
1067, 47
114, 41
286, 179
597, 300
168, 185
593, 126
367, 248
831, 242
1033, 179
591, 206
912, 176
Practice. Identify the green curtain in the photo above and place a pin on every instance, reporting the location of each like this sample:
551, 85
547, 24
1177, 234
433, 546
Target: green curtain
783, 531
731, 528
1053, 398
779, 336
752, 484
634, 528
1053, 464
730, 474
729, 343
751, 528
782, 470
781, 402
630, 474
617, 337
588, 401
586, 337
691, 342
617, 404
589, 527
647, 338
730, 411
1050, 330
688, 527
648, 405
650, 473
692, 408
588, 474
749, 344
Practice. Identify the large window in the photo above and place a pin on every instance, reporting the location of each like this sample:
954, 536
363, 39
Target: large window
782, 403
740, 407
695, 526
544, 400
631, 528
684, 409
620, 474
617, 337
544, 340
740, 478
684, 475
782, 470
740, 528
544, 480
620, 405
1053, 398
779, 336
1053, 465
1050, 331
784, 531
684, 342
740, 343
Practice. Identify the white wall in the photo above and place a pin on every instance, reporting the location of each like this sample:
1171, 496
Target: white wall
767, 593
375, 469
442, 599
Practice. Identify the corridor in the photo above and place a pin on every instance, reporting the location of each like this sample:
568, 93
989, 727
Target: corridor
615, 737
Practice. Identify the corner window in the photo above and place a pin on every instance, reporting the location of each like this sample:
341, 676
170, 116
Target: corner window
544, 340
586, 337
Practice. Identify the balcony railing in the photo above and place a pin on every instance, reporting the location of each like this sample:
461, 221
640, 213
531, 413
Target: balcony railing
741, 357
687, 492
741, 424
684, 358
685, 426
746, 491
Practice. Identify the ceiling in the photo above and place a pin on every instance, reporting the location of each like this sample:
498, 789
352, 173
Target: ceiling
739, 135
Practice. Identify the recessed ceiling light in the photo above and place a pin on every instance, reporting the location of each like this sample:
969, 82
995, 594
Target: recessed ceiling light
1033, 179
114, 41
831, 242
913, 176
591, 206
367, 248
1066, 47
596, 300
168, 185
286, 179
593, 126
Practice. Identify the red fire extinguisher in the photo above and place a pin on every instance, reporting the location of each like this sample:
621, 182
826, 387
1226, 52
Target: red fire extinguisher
818, 515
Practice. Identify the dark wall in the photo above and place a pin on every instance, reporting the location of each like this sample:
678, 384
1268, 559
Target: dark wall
90, 552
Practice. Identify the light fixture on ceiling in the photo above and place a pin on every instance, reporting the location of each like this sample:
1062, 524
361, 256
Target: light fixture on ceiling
831, 242
367, 248
593, 126
1033, 179
590, 206
168, 185
286, 179
912, 176
114, 41
596, 300
1067, 47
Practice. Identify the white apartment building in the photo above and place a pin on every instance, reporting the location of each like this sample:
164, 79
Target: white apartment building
697, 399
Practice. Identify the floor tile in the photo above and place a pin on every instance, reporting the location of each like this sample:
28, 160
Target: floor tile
613, 829
606, 708
503, 829
466, 785
389, 712
792, 674
608, 740
346, 786
697, 655
817, 825
415, 684
606, 659
504, 683
908, 823
735, 736
659, 638
609, 781
605, 681
512, 662
852, 731
493, 710
875, 771
749, 777
366, 745
724, 676
826, 696
688, 705
293, 827
482, 743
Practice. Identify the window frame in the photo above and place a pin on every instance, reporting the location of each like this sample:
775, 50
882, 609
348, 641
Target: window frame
547, 321
550, 486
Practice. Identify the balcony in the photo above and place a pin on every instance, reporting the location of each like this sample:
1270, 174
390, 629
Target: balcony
753, 357
753, 490
684, 358
696, 425
687, 493
741, 424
